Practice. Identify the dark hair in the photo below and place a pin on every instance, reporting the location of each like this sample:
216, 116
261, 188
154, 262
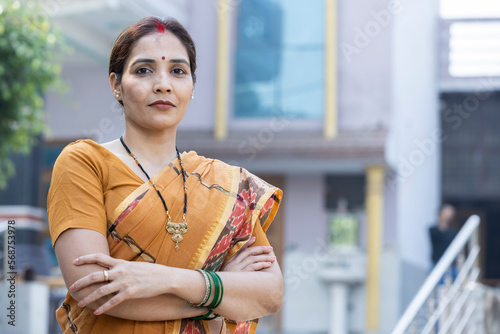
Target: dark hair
145, 26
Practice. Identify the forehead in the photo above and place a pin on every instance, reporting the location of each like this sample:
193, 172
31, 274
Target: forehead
157, 45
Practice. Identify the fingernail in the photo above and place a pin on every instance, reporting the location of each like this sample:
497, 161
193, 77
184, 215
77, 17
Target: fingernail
72, 288
97, 312
253, 238
80, 303
76, 261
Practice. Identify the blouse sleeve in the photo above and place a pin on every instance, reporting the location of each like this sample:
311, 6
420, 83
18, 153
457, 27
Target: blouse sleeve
75, 198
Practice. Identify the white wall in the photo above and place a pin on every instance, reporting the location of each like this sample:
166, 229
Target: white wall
364, 37
413, 146
305, 215
305, 237
203, 30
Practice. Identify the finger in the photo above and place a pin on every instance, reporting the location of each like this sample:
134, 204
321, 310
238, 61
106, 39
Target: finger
246, 245
256, 259
235, 262
254, 251
249, 242
97, 258
98, 293
257, 266
93, 278
117, 299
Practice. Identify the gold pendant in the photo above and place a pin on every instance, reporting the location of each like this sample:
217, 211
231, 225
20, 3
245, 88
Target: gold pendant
176, 229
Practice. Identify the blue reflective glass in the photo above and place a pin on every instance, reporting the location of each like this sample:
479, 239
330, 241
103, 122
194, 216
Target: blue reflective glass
280, 59
302, 84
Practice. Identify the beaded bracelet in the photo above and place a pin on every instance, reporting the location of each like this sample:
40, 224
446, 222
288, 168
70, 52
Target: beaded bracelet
208, 289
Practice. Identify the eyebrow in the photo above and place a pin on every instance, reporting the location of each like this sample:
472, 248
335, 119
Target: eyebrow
143, 60
179, 61
146, 60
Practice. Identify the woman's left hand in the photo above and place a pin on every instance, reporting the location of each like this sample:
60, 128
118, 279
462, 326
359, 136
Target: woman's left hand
250, 258
125, 280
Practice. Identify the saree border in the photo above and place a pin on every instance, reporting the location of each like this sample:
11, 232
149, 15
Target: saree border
212, 235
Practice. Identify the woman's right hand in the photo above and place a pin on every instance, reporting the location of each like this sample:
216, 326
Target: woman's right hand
124, 280
250, 258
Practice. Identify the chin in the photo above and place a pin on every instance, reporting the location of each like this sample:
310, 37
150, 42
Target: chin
162, 125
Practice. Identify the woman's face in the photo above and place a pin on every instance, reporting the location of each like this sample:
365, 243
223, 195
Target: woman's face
156, 84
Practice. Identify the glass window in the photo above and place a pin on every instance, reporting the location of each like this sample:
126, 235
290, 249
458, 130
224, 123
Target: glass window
474, 49
462, 9
280, 59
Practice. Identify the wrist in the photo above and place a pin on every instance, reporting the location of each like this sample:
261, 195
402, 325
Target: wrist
187, 284
171, 278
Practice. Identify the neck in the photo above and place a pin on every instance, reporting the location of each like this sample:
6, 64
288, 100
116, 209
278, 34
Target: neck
443, 225
158, 148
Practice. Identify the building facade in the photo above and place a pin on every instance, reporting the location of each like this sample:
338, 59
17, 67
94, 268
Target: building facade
334, 101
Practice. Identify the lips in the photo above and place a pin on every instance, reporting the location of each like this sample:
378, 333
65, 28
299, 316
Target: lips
162, 104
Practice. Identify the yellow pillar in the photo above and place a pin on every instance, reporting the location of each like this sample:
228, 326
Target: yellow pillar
374, 213
331, 112
223, 62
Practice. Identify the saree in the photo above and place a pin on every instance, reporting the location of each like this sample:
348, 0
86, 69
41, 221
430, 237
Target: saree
92, 188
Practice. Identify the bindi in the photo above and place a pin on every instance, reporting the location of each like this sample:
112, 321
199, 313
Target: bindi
163, 58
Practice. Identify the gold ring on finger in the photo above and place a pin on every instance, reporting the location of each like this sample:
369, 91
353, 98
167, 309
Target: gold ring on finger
106, 275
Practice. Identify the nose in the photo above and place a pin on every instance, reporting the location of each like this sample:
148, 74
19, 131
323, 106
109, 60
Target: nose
163, 84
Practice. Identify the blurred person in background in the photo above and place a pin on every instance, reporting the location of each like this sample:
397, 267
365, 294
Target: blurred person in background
442, 234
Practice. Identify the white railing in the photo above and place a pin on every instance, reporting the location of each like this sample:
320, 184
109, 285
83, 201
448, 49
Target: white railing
449, 302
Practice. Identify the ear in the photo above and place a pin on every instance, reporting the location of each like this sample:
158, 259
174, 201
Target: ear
115, 85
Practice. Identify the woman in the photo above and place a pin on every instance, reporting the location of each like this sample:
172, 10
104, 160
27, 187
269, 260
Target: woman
149, 240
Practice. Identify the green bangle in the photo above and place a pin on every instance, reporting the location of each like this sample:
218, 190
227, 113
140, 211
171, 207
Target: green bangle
216, 290
219, 290
214, 316
204, 317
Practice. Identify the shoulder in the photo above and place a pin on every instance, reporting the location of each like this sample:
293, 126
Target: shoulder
220, 169
81, 155
80, 148
203, 165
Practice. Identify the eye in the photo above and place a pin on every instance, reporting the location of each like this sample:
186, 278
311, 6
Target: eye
178, 70
142, 70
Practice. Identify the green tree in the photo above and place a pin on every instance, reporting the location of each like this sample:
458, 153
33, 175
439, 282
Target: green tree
29, 65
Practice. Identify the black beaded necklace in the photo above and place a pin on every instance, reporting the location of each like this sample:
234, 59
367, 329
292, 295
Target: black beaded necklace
176, 229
